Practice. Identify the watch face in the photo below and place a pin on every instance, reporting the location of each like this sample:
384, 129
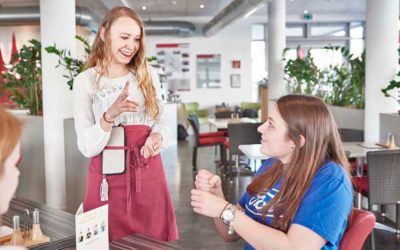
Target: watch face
227, 215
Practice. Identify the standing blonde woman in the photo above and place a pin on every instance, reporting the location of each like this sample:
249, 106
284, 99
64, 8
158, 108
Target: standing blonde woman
301, 197
118, 87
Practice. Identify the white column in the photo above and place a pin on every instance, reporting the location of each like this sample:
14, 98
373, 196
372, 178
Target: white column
276, 44
57, 26
381, 62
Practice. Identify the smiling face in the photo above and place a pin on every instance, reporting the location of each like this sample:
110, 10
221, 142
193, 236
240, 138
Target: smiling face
125, 37
274, 139
9, 179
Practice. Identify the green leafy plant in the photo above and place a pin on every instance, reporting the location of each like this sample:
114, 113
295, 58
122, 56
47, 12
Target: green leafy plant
393, 84
72, 65
303, 76
24, 78
339, 85
347, 80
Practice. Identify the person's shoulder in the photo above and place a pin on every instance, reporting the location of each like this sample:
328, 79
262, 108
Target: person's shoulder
331, 168
334, 172
84, 79
265, 165
86, 74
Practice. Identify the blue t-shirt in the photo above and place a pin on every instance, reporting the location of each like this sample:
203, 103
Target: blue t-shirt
324, 209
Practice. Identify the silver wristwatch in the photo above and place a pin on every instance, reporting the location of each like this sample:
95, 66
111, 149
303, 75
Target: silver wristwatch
228, 216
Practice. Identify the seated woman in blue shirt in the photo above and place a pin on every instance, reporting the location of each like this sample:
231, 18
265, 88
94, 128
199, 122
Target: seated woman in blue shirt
301, 197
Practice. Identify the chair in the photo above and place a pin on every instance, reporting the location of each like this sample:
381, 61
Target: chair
360, 225
382, 184
353, 135
241, 134
204, 140
193, 108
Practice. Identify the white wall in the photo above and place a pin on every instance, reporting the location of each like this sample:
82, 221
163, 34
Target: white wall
233, 43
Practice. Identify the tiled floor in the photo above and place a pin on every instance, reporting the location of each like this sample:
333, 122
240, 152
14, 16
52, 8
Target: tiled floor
198, 232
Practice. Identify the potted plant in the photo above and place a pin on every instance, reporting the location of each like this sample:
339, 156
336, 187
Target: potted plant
339, 85
394, 86
24, 78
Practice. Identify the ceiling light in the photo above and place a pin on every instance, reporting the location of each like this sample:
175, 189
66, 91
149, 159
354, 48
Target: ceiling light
173, 2
201, 6
144, 7
305, 12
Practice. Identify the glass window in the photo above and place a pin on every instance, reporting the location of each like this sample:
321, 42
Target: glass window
356, 30
328, 30
209, 71
257, 32
258, 60
295, 31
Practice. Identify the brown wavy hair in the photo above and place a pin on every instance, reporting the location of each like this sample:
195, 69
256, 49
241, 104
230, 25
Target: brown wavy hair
309, 117
10, 134
100, 57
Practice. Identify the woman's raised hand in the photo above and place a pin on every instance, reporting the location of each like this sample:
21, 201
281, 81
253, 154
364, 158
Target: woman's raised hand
121, 104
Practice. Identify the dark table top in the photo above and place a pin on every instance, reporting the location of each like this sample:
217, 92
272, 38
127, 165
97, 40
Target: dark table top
60, 227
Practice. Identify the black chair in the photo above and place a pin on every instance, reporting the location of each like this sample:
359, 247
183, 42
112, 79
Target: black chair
241, 134
351, 135
382, 185
207, 141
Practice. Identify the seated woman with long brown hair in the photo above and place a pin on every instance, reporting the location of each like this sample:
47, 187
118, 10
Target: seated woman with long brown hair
301, 197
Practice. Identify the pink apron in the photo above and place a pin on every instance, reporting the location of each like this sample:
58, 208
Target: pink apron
139, 200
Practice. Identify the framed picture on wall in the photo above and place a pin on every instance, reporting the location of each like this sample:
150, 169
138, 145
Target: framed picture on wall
235, 81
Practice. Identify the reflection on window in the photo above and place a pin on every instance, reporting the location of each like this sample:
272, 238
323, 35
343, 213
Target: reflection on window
328, 30
295, 31
208, 71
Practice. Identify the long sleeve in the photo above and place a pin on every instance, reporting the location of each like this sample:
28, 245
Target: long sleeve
91, 137
161, 126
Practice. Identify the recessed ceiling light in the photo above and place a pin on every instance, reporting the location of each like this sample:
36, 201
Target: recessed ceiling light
144, 7
201, 6
173, 2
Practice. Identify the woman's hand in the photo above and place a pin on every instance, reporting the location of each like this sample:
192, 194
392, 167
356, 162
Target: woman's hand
152, 146
121, 104
207, 204
207, 181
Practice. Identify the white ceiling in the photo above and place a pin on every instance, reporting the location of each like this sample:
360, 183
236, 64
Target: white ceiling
191, 8
184, 8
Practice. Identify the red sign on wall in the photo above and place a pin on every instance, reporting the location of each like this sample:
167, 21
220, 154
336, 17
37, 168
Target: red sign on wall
236, 64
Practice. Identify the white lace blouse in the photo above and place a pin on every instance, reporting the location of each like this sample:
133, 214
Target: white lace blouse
89, 105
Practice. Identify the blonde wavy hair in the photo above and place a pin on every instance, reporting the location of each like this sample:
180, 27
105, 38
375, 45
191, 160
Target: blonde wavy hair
100, 57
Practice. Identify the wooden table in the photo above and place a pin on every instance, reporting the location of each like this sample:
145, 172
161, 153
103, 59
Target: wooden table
60, 227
